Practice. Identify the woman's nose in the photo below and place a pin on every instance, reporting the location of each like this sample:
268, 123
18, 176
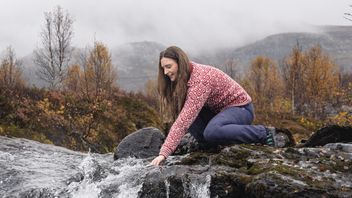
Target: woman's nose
166, 71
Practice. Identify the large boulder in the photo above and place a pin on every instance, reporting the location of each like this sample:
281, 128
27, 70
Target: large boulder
143, 143
330, 134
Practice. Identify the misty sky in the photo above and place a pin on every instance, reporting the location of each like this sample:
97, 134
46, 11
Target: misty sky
191, 24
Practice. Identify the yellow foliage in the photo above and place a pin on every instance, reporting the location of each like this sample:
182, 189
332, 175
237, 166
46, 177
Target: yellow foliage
73, 81
342, 118
310, 124
264, 84
44, 105
48, 108
99, 71
281, 105
61, 110
312, 80
10, 72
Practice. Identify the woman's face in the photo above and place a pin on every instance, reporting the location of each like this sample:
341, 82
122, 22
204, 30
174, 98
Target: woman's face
170, 67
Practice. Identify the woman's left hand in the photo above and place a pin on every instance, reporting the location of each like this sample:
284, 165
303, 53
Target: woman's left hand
156, 161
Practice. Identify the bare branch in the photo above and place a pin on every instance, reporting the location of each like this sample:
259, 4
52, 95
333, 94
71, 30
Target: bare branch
53, 57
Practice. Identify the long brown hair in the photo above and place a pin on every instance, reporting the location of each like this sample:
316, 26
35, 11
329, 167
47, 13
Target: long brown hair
173, 94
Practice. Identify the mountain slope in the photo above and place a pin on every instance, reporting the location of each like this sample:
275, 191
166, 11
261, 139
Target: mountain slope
336, 41
136, 63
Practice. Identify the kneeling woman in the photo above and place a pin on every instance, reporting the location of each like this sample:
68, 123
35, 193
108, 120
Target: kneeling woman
207, 103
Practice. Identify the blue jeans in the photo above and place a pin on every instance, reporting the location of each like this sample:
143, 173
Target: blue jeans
230, 126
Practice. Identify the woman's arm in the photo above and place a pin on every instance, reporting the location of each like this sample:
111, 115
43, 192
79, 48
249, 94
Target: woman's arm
196, 97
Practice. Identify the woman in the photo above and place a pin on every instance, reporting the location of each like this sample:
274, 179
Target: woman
207, 103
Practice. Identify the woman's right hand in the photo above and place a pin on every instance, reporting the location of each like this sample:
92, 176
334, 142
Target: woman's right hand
156, 161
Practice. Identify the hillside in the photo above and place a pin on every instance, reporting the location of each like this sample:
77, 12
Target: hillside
136, 62
336, 41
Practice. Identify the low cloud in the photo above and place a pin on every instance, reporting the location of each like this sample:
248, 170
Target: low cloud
191, 24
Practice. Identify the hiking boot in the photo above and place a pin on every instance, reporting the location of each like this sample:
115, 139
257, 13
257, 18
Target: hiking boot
279, 137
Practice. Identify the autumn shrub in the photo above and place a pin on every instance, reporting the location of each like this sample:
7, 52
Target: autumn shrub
310, 123
73, 121
342, 118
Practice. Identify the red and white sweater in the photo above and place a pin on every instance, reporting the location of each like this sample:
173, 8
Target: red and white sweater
207, 86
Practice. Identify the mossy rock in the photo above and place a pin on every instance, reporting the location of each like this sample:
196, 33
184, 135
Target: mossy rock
235, 156
196, 158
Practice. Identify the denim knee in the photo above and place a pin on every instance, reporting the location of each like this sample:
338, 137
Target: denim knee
210, 134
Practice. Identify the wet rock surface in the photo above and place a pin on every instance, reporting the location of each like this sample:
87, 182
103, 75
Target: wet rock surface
256, 170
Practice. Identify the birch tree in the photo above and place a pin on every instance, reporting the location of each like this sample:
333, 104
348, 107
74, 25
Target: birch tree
53, 57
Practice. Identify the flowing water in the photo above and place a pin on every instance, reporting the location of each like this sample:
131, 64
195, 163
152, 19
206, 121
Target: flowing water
32, 169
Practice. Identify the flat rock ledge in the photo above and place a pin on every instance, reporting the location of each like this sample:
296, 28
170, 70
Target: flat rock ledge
322, 167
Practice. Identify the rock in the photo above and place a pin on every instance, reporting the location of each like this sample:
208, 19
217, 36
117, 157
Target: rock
291, 141
189, 144
153, 186
340, 146
143, 143
38, 193
346, 108
252, 171
249, 170
330, 134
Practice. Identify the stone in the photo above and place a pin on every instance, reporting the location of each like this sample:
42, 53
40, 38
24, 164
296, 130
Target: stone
143, 143
330, 134
340, 146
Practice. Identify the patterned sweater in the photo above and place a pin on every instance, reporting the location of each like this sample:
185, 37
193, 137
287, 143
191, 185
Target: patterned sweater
207, 86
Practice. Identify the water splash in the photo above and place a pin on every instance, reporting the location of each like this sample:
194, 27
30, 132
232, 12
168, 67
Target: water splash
86, 188
199, 186
167, 186
32, 169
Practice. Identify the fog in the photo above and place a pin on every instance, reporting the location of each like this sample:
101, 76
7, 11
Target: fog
194, 25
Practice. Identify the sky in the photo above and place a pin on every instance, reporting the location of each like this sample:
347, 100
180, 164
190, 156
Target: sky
194, 25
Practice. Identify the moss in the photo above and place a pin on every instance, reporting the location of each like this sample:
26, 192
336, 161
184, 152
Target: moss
343, 166
289, 170
196, 158
245, 179
293, 154
335, 165
301, 175
324, 183
14, 131
41, 138
229, 184
234, 157
2, 131
256, 169
259, 148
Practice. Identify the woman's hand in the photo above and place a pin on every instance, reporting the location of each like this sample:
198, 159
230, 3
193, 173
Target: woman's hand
156, 161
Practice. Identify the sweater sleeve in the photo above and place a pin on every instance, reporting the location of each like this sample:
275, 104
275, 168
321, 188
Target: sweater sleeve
197, 95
